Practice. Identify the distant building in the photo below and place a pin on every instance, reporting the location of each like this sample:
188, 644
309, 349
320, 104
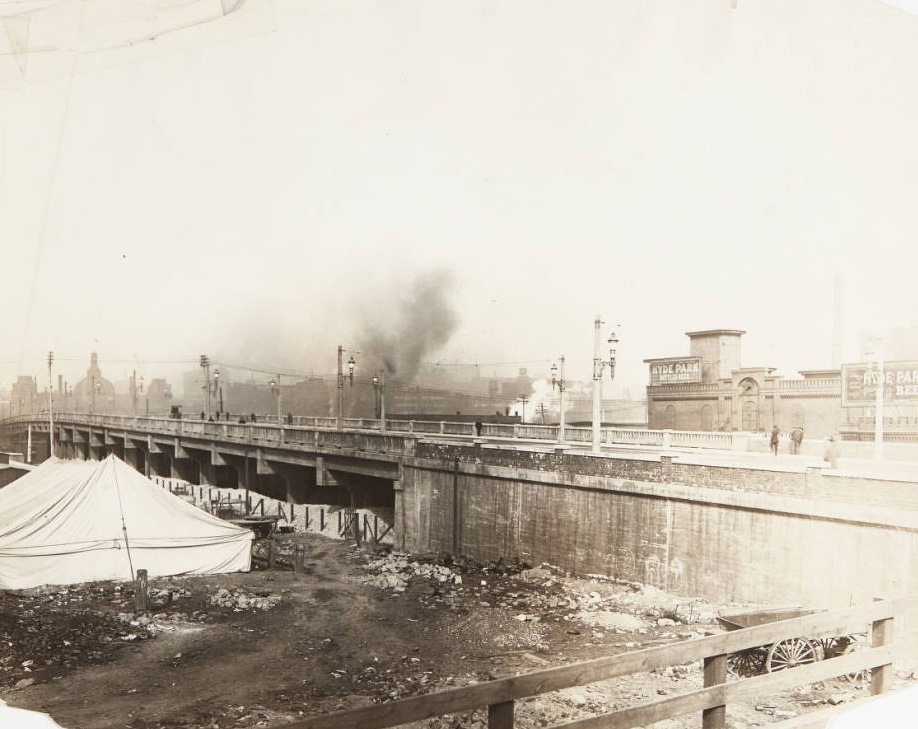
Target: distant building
710, 390
616, 412
24, 396
94, 394
157, 398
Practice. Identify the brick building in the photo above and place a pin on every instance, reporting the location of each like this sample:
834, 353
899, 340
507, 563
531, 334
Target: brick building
710, 390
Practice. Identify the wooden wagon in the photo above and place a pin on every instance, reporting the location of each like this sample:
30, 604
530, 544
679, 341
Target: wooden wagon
786, 653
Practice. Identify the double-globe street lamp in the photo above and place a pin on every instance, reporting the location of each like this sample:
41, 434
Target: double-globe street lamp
557, 380
599, 364
351, 364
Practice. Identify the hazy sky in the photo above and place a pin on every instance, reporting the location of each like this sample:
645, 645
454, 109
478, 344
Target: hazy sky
258, 188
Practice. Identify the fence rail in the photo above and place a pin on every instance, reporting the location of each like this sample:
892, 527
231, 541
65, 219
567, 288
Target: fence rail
712, 700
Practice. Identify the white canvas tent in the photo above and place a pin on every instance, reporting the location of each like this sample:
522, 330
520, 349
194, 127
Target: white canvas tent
79, 521
10, 716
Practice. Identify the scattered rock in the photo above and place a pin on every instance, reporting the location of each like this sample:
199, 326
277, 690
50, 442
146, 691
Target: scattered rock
239, 600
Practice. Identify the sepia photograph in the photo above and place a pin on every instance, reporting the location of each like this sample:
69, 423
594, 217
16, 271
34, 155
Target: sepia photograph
458, 364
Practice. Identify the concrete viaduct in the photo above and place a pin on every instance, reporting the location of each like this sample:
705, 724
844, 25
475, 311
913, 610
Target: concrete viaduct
729, 526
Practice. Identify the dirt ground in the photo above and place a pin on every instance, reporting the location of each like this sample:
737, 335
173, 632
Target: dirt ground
357, 627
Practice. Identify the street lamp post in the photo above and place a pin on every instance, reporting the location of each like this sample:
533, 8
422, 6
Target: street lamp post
205, 365
878, 409
351, 363
876, 357
218, 392
379, 387
557, 380
276, 391
598, 365
50, 406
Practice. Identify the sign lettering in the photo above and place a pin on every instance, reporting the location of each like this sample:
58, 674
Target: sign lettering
861, 381
666, 372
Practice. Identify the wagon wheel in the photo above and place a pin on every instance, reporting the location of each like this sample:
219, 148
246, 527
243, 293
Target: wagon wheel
828, 647
851, 644
749, 662
789, 653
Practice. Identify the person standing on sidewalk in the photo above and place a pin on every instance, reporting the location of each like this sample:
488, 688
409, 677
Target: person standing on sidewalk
831, 452
774, 439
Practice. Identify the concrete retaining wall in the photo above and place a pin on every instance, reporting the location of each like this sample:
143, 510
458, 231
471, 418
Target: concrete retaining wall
743, 535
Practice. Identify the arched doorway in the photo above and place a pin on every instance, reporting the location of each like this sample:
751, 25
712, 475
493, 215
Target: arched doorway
669, 417
749, 404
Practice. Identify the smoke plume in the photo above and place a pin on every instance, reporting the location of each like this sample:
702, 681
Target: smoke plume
418, 321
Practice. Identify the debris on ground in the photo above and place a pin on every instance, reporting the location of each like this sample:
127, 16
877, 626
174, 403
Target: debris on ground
271, 647
49, 632
239, 600
393, 572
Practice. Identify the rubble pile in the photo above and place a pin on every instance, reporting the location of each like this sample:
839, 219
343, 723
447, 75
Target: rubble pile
394, 571
167, 596
489, 632
46, 633
239, 600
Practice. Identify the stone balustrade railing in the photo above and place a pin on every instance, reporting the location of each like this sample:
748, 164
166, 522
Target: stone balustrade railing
317, 431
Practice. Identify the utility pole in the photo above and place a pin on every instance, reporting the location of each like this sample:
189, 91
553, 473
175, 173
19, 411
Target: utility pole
50, 407
542, 411
134, 393
522, 399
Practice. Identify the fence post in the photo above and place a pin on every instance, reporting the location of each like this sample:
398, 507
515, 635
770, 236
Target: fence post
715, 672
140, 592
299, 558
500, 716
881, 676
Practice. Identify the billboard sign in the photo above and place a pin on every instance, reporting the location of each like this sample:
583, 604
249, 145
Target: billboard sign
860, 382
675, 370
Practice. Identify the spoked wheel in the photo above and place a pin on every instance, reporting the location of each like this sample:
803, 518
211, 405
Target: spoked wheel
826, 648
852, 643
789, 653
750, 662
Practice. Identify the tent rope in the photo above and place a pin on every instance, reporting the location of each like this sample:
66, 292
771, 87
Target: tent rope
127, 545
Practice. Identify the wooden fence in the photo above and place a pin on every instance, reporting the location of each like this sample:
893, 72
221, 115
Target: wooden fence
712, 700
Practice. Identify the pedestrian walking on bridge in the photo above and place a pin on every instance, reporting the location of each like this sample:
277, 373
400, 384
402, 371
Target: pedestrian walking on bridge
774, 439
796, 439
